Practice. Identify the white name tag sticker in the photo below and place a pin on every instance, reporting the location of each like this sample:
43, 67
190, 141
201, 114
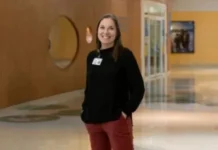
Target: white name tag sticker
97, 61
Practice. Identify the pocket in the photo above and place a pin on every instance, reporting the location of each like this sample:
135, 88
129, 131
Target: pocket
120, 126
124, 115
92, 128
122, 118
127, 120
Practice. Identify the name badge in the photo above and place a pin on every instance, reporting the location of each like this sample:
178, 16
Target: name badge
97, 61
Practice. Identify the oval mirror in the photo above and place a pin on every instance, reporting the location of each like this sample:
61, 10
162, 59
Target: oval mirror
63, 42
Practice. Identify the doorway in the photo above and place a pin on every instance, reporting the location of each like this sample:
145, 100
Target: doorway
154, 44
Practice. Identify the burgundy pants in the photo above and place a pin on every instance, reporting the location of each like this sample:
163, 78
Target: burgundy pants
116, 135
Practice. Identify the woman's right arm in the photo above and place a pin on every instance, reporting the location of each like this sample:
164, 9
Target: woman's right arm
88, 60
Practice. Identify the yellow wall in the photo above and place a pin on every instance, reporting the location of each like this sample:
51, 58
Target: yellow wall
206, 39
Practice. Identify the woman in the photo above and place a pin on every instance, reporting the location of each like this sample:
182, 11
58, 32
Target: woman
114, 90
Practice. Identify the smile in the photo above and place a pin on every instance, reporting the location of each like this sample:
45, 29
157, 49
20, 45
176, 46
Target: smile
106, 37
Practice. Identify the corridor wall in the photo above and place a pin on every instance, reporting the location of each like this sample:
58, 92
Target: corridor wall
27, 71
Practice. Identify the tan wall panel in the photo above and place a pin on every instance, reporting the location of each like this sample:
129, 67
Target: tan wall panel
27, 70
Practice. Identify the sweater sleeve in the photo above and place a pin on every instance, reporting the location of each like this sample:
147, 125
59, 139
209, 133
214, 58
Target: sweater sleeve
135, 83
88, 59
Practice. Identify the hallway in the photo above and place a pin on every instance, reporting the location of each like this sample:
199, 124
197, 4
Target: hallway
179, 112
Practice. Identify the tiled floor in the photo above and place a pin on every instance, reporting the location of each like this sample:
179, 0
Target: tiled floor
179, 112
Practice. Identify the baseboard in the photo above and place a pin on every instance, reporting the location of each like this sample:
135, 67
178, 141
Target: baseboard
195, 66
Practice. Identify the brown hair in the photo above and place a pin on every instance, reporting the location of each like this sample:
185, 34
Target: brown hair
117, 43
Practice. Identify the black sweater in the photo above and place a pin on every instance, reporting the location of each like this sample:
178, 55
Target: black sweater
112, 87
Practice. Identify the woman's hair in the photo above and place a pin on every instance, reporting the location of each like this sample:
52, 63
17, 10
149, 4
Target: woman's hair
117, 43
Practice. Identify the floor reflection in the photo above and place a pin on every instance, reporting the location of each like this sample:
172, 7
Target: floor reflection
178, 112
192, 92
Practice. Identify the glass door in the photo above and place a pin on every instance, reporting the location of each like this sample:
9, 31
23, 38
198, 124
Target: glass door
154, 47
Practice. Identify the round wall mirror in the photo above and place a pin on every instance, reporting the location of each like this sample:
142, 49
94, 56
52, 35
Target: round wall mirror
63, 42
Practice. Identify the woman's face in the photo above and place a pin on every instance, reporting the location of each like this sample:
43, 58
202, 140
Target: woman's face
107, 32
